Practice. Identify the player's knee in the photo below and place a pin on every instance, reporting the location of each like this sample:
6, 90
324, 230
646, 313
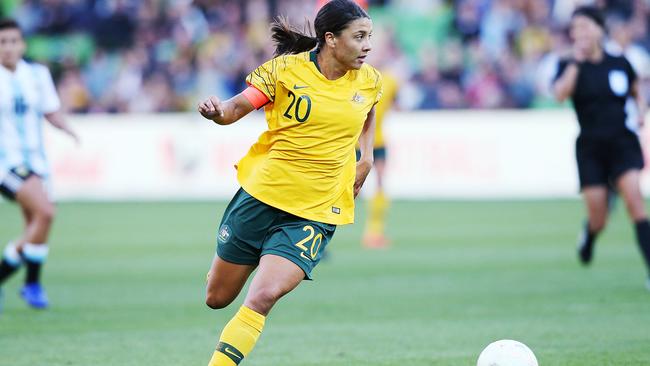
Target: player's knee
638, 214
264, 298
218, 299
45, 214
216, 303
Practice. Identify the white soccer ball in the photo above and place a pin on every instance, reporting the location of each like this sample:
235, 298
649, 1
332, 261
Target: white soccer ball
507, 353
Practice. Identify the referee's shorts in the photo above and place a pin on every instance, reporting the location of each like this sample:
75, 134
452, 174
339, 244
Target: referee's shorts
603, 161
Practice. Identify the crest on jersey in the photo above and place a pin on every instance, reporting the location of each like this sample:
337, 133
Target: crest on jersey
22, 171
357, 98
618, 82
224, 233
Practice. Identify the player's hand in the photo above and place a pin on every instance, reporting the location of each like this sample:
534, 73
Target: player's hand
74, 137
212, 109
363, 169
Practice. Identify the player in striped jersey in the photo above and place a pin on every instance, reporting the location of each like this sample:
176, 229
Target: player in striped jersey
27, 95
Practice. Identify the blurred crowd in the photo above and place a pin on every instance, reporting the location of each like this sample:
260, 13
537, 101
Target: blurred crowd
118, 56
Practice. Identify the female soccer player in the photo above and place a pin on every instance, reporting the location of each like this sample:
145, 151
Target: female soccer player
300, 179
604, 89
26, 95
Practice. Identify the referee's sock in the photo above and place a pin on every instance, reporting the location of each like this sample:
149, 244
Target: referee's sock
586, 244
643, 238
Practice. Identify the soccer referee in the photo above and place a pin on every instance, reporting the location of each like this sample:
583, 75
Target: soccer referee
610, 108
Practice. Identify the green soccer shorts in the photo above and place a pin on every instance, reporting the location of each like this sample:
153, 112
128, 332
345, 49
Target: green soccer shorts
250, 229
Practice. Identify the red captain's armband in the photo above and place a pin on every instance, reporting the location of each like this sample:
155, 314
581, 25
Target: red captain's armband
255, 97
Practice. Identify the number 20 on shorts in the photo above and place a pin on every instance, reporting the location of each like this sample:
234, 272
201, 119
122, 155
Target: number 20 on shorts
315, 239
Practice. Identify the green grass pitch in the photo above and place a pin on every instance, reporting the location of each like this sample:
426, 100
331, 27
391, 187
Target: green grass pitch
127, 285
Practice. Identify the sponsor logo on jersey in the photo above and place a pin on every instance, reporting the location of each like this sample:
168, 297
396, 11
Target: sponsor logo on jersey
22, 171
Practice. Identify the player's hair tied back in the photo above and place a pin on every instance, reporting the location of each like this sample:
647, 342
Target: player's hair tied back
333, 17
290, 40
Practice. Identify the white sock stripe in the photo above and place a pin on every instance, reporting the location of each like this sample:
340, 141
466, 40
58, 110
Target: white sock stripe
35, 252
11, 255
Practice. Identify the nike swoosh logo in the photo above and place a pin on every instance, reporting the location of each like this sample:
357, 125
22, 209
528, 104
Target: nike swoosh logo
228, 351
296, 87
304, 256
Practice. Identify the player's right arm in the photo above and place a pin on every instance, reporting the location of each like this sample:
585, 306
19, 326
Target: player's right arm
260, 91
565, 85
226, 112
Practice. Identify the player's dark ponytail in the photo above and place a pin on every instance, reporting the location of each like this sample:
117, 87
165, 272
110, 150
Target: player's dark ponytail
332, 17
289, 40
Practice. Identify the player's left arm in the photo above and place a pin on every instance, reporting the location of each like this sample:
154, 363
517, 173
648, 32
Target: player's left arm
366, 142
57, 120
640, 100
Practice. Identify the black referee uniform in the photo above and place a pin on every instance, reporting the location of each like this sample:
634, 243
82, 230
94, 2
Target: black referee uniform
608, 145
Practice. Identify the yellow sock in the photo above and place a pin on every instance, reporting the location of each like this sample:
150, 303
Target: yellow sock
238, 338
377, 216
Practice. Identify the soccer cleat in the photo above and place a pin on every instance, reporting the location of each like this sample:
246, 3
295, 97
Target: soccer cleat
35, 296
585, 246
375, 241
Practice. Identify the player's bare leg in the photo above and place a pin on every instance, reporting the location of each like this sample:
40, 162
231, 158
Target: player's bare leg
595, 198
629, 187
37, 209
225, 281
38, 212
275, 277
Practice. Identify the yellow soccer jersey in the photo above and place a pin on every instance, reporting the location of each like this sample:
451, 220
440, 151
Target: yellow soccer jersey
304, 163
390, 86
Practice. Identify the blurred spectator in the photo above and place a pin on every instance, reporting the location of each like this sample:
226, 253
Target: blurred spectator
73, 92
621, 42
118, 56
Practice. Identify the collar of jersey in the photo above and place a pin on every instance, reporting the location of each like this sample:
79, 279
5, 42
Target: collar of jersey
314, 59
21, 65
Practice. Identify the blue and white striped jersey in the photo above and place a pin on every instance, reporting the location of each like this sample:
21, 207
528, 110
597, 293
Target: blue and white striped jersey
26, 94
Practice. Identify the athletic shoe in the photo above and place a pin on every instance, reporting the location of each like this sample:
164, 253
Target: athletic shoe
35, 296
585, 248
375, 241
